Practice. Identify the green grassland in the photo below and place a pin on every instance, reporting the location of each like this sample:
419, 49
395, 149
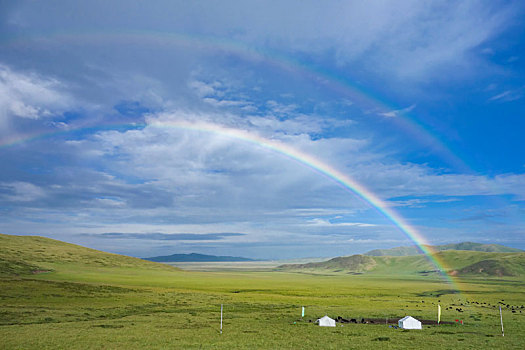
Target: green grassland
55, 295
460, 263
413, 250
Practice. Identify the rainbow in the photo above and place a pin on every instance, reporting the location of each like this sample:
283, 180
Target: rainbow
303, 158
366, 99
327, 78
327, 170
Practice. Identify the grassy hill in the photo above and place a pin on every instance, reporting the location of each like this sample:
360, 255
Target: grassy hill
496, 264
479, 247
32, 254
354, 263
96, 300
461, 263
414, 250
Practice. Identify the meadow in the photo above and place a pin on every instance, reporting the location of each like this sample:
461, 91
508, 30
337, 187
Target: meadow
103, 301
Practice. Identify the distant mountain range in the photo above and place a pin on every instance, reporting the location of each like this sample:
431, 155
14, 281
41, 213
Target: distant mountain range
194, 257
414, 250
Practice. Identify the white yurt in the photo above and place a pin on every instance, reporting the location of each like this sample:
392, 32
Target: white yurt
326, 322
409, 322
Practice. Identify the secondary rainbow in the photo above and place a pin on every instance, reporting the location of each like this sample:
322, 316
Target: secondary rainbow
366, 99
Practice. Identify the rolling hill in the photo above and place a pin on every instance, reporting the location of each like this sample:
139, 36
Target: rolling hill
93, 299
33, 254
21, 255
414, 250
194, 257
460, 263
354, 263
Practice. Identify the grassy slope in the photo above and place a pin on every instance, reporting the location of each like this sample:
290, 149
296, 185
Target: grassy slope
126, 304
459, 262
354, 263
489, 248
27, 254
397, 251
501, 264
413, 250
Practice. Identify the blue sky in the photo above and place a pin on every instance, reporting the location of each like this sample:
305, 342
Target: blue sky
420, 102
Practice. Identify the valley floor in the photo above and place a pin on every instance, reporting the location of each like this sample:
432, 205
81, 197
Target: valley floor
79, 307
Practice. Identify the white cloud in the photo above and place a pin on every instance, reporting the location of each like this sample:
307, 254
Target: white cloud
408, 39
181, 174
281, 109
326, 223
508, 95
377, 241
200, 161
397, 112
225, 103
29, 96
20, 191
219, 94
419, 202
203, 89
162, 178
398, 180
411, 40
312, 212
295, 124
